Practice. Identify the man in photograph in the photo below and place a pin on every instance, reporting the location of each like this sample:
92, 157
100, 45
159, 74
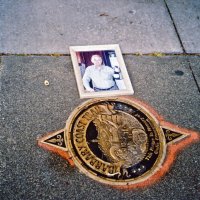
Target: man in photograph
99, 77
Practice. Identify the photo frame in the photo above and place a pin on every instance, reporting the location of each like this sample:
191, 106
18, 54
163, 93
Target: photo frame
100, 71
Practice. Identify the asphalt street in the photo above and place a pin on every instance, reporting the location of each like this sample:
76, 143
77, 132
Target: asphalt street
29, 109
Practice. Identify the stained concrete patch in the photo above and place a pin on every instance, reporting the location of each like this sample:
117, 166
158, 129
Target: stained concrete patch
186, 15
29, 109
51, 26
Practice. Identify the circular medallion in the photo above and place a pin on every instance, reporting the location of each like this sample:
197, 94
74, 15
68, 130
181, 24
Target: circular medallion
115, 141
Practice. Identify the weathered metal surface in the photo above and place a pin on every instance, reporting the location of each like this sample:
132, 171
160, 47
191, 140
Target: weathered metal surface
119, 141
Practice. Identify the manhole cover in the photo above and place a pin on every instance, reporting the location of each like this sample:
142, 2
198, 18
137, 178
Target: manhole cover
118, 141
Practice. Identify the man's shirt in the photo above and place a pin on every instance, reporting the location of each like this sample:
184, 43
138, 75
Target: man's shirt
101, 77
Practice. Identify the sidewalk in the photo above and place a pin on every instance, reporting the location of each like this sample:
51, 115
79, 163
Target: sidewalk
145, 26
29, 109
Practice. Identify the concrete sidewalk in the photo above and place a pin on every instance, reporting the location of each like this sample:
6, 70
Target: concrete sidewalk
145, 26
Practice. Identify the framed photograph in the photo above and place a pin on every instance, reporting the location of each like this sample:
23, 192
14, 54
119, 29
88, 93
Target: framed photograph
100, 71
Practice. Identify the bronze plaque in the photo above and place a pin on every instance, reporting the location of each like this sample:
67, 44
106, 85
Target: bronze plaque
118, 141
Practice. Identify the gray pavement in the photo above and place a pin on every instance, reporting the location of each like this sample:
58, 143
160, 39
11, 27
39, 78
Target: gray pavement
186, 17
51, 26
194, 64
29, 109
145, 26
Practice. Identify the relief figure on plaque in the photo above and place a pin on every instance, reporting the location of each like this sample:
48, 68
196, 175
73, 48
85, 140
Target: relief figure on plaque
121, 138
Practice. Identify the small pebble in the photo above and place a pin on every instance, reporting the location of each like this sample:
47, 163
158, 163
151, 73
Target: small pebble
46, 82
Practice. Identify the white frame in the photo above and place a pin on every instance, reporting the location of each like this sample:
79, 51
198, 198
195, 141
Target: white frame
82, 92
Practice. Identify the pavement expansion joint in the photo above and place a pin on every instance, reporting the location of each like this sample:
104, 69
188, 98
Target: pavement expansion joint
176, 30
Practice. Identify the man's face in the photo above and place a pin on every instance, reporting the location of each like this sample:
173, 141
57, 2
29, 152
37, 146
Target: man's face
97, 61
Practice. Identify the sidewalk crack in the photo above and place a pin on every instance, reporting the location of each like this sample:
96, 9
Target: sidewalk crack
193, 75
176, 30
